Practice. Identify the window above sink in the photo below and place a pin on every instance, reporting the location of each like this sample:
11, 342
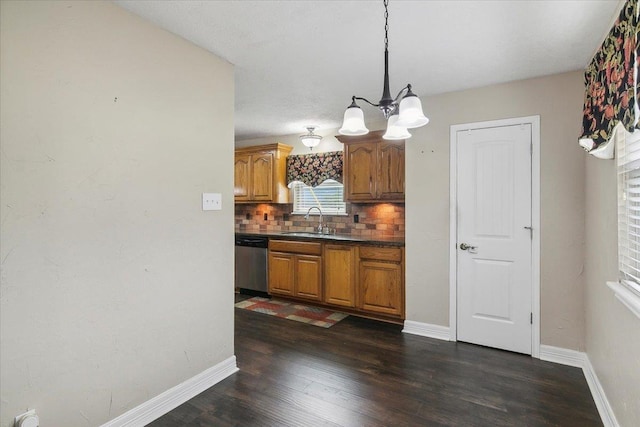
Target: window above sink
327, 196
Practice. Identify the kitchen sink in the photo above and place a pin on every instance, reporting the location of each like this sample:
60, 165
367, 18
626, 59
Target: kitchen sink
319, 236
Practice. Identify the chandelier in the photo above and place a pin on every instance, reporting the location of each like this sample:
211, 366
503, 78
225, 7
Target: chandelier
401, 116
310, 139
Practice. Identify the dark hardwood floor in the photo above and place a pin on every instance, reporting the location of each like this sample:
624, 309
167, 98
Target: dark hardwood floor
366, 373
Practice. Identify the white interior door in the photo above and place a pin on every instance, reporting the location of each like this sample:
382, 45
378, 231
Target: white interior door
494, 241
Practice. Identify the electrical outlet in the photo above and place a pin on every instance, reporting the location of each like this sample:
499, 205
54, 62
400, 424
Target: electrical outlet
211, 201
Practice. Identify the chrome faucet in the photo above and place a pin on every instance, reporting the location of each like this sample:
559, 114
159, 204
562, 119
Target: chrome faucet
319, 229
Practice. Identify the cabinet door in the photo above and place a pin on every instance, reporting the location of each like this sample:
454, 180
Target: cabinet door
241, 177
281, 273
390, 185
360, 171
339, 275
381, 287
262, 177
309, 277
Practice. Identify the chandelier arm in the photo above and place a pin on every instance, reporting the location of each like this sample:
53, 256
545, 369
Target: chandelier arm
407, 88
366, 100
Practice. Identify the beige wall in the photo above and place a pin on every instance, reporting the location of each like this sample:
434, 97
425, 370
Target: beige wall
558, 100
612, 337
115, 285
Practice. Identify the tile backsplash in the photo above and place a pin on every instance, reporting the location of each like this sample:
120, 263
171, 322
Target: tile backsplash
375, 220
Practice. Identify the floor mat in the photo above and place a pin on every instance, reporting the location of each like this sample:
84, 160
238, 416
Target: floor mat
293, 311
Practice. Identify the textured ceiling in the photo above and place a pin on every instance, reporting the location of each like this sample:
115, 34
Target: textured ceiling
299, 62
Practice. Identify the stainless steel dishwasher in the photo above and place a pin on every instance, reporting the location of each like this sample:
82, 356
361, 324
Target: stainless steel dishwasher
251, 264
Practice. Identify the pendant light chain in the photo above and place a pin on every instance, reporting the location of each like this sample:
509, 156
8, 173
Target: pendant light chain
386, 24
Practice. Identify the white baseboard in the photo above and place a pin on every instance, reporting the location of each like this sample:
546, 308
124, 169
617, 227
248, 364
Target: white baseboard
581, 360
562, 356
426, 330
605, 410
156, 407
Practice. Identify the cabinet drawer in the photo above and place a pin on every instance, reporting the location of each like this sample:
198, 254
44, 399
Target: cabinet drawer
382, 254
307, 248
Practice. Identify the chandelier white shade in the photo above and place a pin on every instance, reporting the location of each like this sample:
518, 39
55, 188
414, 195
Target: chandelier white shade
409, 108
394, 131
353, 123
411, 115
310, 139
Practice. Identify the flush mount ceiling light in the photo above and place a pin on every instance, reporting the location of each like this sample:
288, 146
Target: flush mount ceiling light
406, 114
310, 139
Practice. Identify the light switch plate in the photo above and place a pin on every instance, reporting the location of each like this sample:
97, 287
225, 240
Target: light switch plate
211, 201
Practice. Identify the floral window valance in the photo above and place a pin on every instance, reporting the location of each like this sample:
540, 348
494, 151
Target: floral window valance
611, 85
314, 169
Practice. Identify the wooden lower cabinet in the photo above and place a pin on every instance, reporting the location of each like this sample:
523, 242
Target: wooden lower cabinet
281, 273
381, 279
380, 286
340, 275
308, 277
366, 280
295, 269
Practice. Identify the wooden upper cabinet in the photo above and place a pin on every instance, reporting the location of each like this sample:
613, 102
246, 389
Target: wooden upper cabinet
241, 177
262, 180
360, 168
390, 170
373, 168
260, 174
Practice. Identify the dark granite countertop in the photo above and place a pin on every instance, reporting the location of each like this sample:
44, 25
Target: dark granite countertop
345, 238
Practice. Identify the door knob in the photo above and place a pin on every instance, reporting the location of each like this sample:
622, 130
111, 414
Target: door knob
466, 247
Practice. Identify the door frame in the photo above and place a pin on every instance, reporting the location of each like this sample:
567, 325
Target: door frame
534, 121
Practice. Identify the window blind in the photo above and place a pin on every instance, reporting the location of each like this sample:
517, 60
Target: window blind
327, 196
628, 154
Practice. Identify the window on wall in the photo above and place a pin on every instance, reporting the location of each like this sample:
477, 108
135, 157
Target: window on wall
327, 196
628, 155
